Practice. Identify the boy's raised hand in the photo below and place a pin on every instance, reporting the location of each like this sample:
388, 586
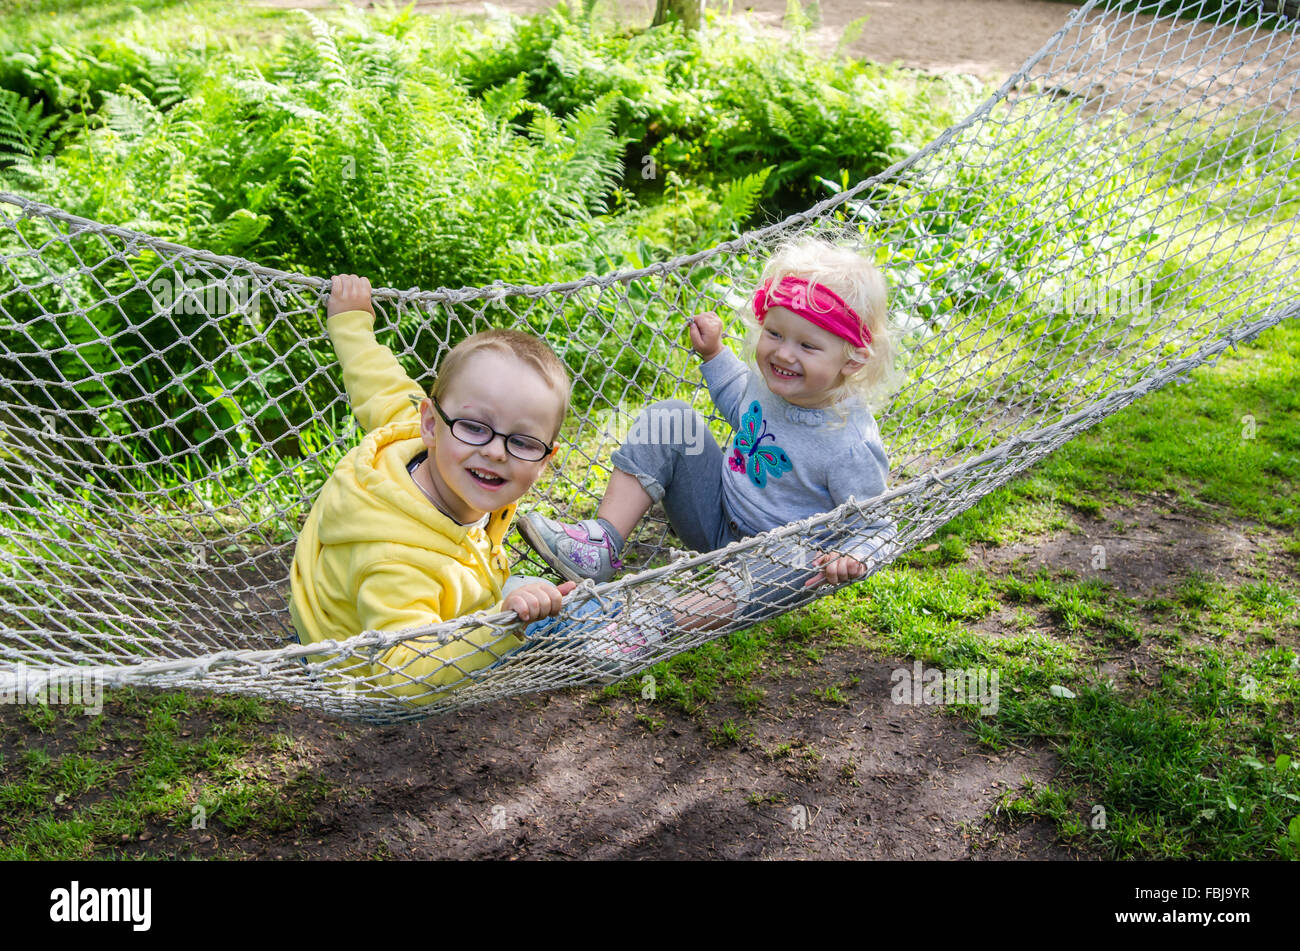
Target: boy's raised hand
706, 335
349, 292
534, 601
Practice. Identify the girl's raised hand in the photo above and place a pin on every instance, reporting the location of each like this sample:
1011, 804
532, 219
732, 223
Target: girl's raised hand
534, 601
835, 569
706, 335
349, 292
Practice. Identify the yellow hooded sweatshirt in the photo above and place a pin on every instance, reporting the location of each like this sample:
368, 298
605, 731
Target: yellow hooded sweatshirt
377, 555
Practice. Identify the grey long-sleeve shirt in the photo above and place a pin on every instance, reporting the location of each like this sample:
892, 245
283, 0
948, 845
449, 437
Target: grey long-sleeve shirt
785, 462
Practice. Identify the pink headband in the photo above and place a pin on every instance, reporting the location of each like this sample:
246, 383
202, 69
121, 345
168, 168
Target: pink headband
814, 302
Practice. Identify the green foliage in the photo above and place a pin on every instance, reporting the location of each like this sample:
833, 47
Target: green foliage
25, 134
416, 150
734, 105
336, 150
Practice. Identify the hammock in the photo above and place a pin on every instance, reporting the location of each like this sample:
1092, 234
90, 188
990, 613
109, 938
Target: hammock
1120, 212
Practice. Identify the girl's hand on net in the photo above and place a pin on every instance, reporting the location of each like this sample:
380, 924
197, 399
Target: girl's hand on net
534, 601
349, 292
706, 335
835, 569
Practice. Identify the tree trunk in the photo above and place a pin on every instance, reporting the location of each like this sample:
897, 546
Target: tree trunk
689, 12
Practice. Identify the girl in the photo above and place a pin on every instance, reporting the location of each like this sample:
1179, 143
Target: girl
805, 442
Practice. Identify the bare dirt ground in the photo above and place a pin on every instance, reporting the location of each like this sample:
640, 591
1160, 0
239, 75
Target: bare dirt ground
560, 776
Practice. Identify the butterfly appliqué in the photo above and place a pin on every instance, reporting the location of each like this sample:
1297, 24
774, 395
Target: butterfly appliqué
753, 458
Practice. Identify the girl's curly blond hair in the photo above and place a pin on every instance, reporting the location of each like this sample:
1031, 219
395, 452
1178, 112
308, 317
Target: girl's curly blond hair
844, 266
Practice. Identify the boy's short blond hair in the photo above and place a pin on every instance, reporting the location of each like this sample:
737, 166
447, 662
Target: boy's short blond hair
531, 350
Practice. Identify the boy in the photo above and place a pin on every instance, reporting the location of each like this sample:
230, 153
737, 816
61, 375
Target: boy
409, 528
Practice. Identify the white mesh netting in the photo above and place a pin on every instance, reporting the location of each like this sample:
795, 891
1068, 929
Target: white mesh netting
1120, 212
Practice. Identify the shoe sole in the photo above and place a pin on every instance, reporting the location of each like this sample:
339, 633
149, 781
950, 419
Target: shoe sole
548, 555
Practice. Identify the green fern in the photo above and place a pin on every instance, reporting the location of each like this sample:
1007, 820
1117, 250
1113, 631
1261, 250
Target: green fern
779, 118
741, 197
506, 101
332, 71
130, 114
24, 132
580, 157
852, 30
165, 81
236, 234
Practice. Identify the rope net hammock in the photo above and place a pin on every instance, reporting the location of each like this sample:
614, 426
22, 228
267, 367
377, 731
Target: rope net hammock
1118, 213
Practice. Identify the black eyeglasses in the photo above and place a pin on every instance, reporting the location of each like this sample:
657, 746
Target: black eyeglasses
472, 432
